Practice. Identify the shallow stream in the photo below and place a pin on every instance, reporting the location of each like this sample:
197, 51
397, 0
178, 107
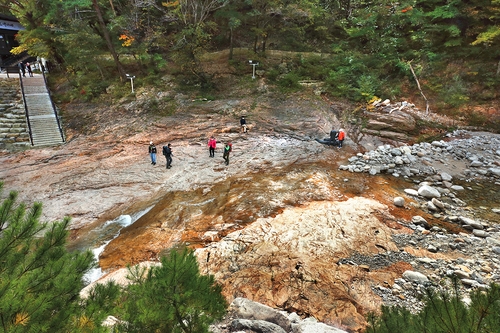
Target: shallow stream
210, 212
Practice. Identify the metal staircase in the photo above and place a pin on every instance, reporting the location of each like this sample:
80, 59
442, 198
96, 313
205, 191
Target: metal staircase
43, 122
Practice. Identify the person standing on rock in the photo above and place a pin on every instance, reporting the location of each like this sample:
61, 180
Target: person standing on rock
227, 149
243, 124
341, 137
152, 152
167, 152
212, 143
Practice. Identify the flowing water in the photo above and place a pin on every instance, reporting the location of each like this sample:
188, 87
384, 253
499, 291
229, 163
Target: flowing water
207, 214
99, 238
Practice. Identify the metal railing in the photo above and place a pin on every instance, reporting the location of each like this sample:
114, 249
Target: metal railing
59, 125
14, 70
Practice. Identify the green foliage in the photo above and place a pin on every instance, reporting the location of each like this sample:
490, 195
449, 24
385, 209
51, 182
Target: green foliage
40, 281
313, 67
173, 297
289, 82
455, 93
444, 312
351, 76
273, 74
367, 87
363, 44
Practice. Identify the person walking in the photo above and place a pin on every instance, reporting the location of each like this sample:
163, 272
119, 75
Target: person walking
167, 152
30, 71
341, 137
212, 143
152, 152
243, 124
22, 68
227, 149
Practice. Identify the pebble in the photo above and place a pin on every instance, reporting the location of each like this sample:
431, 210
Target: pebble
399, 201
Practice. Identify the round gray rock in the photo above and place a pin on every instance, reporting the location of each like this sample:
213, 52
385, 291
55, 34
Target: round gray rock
427, 191
399, 202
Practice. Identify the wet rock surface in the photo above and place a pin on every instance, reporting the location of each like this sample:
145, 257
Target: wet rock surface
290, 223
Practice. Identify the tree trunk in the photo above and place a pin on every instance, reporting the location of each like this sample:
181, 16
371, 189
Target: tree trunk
498, 68
420, 89
107, 38
255, 44
112, 7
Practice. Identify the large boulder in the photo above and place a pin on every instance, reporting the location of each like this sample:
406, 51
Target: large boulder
311, 325
397, 136
246, 309
494, 171
416, 277
470, 222
399, 202
301, 247
260, 326
396, 121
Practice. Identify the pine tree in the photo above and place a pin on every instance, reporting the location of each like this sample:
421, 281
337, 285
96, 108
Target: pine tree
173, 298
40, 280
444, 312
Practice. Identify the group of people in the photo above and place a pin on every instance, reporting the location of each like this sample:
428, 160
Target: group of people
212, 144
228, 147
336, 138
167, 151
25, 68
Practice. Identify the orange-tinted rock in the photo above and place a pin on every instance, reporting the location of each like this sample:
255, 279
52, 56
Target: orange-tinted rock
308, 241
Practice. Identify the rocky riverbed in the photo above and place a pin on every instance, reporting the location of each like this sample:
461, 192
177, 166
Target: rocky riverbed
314, 230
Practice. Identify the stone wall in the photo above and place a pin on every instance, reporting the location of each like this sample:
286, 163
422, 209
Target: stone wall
14, 134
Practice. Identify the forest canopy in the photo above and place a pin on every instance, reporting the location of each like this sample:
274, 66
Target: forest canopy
361, 49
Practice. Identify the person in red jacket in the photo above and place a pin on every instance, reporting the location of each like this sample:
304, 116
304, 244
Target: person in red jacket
341, 137
211, 146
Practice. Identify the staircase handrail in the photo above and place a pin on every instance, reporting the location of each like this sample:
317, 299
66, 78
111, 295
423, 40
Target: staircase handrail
53, 107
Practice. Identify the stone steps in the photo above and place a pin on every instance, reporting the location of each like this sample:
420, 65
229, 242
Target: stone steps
14, 130
14, 133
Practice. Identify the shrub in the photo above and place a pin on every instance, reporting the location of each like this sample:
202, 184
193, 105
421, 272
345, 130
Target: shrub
290, 82
444, 312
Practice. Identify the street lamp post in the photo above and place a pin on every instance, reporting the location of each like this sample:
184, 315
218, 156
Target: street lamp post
131, 81
253, 64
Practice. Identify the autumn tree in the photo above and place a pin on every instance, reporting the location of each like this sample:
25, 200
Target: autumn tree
39, 37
